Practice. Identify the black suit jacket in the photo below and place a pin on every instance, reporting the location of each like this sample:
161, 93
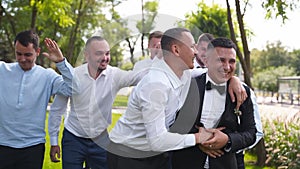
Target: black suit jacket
242, 135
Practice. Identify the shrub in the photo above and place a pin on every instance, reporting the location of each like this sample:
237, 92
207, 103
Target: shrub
282, 140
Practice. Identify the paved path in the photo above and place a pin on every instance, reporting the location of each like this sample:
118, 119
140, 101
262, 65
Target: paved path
271, 110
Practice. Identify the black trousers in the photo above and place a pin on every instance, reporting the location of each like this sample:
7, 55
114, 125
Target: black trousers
160, 161
240, 160
20, 158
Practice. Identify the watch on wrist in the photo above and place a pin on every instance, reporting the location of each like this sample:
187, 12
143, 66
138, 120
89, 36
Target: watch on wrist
227, 147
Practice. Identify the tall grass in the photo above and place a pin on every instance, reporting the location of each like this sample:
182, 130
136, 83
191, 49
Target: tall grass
282, 139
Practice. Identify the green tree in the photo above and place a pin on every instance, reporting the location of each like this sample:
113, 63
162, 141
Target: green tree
68, 22
295, 61
279, 8
273, 55
149, 12
267, 79
144, 25
35, 14
276, 54
208, 19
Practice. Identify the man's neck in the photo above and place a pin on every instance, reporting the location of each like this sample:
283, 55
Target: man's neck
95, 73
201, 64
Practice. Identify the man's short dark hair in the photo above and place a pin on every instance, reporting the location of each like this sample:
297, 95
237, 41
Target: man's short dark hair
93, 38
170, 37
155, 34
222, 42
26, 37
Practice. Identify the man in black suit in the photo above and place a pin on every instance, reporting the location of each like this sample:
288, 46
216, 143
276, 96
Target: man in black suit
231, 130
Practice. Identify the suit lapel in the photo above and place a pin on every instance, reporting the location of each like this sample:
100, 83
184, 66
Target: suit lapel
188, 112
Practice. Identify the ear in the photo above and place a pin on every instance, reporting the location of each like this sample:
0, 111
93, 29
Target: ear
175, 49
85, 53
38, 51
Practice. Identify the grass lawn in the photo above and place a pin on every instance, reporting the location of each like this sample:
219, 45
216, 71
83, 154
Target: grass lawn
250, 162
120, 101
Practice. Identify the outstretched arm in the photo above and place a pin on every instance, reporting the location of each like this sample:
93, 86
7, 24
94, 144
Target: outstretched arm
57, 110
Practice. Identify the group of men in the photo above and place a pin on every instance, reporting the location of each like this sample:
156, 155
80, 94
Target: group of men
146, 135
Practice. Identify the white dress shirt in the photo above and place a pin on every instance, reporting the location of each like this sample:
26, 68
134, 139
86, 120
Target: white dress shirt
142, 64
152, 109
90, 112
259, 134
213, 106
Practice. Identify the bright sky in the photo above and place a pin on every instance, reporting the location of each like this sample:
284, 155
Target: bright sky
264, 30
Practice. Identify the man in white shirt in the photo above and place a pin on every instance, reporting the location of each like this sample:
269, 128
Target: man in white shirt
85, 134
154, 49
202, 43
140, 137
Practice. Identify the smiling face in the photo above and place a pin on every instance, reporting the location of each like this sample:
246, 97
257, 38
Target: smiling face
154, 47
201, 47
221, 64
26, 56
188, 50
97, 54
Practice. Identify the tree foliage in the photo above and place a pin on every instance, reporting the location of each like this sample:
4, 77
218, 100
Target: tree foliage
279, 8
272, 62
274, 55
267, 79
41, 16
208, 19
68, 22
295, 61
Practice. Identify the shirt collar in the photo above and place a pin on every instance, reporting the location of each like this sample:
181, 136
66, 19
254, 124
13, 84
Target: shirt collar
19, 67
174, 80
209, 79
86, 70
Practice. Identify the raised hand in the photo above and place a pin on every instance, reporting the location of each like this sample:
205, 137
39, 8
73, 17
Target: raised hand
54, 52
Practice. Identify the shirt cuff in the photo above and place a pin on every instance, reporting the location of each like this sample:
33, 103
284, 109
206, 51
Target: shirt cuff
190, 140
54, 141
61, 62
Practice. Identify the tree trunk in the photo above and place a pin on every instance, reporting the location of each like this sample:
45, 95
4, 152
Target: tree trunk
131, 49
261, 153
73, 36
232, 35
239, 53
142, 44
261, 150
33, 17
246, 61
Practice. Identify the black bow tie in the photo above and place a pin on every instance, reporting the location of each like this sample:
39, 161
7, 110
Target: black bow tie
220, 89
